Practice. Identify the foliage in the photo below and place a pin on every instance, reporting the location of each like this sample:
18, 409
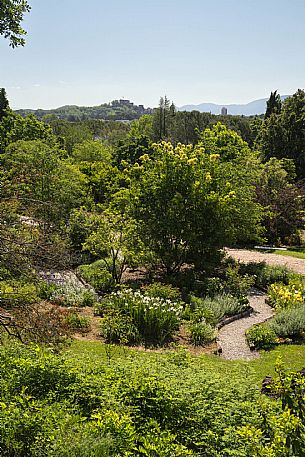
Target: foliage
14, 127
142, 403
216, 308
91, 151
4, 104
261, 336
190, 204
289, 323
71, 294
49, 186
283, 201
119, 328
11, 16
282, 135
113, 236
98, 276
165, 291
282, 296
76, 321
155, 319
201, 333
130, 150
265, 274
274, 104
237, 284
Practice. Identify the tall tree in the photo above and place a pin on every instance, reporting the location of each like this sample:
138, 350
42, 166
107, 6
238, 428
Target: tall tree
11, 16
3, 103
274, 104
283, 134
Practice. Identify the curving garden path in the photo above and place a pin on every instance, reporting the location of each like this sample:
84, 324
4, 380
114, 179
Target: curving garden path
231, 337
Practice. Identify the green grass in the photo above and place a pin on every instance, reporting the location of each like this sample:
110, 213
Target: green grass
94, 354
300, 254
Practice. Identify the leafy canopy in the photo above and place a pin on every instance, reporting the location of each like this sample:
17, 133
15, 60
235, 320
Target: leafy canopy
11, 16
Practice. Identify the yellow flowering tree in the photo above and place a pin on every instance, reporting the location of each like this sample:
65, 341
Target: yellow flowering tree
189, 203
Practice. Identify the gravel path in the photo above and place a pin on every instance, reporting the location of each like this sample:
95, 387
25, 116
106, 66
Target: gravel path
245, 256
232, 338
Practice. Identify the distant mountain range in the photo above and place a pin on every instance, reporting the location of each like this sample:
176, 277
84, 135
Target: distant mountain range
248, 109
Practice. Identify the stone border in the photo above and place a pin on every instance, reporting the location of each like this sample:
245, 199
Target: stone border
236, 317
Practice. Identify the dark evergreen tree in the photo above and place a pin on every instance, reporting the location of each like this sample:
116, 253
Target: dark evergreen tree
3, 103
283, 134
274, 104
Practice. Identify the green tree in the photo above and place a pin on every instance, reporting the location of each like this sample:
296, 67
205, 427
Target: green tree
282, 200
92, 151
162, 118
283, 134
274, 104
11, 16
48, 186
14, 127
189, 204
4, 105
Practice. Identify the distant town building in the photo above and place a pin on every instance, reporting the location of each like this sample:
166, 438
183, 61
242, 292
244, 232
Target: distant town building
224, 111
125, 102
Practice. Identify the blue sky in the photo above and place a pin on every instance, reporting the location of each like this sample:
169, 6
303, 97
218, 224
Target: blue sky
91, 52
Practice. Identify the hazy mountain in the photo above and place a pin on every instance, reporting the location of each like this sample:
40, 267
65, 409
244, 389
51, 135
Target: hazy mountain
248, 109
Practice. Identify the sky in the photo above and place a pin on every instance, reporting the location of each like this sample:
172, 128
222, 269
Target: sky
91, 52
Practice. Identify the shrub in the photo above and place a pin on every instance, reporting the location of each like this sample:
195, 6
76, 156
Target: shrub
237, 284
73, 295
282, 296
201, 333
289, 323
156, 319
17, 292
214, 309
119, 328
165, 291
264, 274
97, 275
261, 336
75, 321
46, 290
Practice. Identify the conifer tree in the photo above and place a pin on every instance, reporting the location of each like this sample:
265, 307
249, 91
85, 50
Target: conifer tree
274, 104
3, 103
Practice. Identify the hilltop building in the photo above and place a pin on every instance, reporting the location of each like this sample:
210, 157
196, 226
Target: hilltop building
224, 111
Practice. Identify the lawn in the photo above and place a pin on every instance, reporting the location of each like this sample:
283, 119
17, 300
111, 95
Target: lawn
86, 353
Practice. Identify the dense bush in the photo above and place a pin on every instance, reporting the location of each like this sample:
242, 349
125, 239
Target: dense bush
264, 274
165, 291
282, 296
201, 333
117, 327
97, 275
73, 295
214, 309
289, 323
261, 336
77, 322
155, 319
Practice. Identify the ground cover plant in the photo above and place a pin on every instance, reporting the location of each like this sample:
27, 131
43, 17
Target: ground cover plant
288, 324
97, 399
